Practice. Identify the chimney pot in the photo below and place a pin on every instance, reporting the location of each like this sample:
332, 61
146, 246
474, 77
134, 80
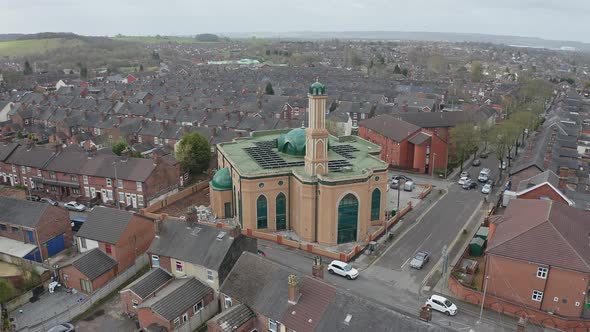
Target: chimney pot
318, 268
293, 293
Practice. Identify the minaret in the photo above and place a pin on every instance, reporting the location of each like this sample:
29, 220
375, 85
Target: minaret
316, 135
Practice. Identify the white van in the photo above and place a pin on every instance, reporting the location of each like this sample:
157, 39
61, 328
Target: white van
484, 175
409, 186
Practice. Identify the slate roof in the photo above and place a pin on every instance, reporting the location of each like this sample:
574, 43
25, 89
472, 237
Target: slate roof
105, 224
197, 245
261, 284
94, 263
177, 297
439, 119
390, 127
21, 212
149, 282
543, 232
6, 149
237, 315
34, 157
419, 138
547, 176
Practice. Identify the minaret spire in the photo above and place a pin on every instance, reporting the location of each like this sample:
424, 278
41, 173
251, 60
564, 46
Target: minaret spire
316, 135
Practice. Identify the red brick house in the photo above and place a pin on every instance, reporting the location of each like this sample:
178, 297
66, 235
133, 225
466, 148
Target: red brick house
542, 186
144, 288
404, 145
183, 302
120, 234
538, 257
36, 230
88, 272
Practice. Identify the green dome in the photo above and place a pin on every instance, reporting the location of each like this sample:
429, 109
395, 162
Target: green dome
317, 89
293, 142
221, 180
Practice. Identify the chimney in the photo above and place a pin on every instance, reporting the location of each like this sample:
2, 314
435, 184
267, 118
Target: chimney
159, 223
293, 289
58, 147
318, 268
28, 144
125, 155
156, 158
520, 326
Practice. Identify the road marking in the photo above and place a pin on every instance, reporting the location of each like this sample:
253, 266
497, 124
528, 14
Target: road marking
420, 246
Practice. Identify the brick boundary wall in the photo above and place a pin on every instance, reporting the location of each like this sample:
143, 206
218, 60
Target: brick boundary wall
157, 206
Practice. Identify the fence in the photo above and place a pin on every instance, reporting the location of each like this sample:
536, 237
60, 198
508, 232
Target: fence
69, 313
156, 206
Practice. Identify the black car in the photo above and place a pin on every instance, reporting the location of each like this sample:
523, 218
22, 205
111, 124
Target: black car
401, 177
476, 162
34, 198
470, 185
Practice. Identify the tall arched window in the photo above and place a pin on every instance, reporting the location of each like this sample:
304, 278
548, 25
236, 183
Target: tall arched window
261, 212
347, 218
281, 211
375, 204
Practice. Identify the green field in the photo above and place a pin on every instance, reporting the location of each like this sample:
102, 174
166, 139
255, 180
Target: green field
20, 48
155, 40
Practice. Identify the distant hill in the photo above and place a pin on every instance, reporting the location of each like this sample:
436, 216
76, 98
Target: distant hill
421, 36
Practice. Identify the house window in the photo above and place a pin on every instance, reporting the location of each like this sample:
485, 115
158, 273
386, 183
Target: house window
227, 302
23, 169
109, 182
86, 286
555, 299
76, 191
138, 185
185, 317
177, 322
39, 172
198, 307
121, 197
537, 296
53, 188
139, 139
178, 266
15, 229
86, 191
120, 184
83, 243
273, 325
73, 178
52, 175
140, 200
156, 141
362, 116
108, 249
542, 272
134, 303
13, 169
25, 182
2, 227
28, 169
85, 177
209, 275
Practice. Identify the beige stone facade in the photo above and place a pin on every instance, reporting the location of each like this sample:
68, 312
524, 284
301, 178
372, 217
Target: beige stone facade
322, 194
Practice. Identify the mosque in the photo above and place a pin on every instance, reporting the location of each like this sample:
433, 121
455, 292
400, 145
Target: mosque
325, 189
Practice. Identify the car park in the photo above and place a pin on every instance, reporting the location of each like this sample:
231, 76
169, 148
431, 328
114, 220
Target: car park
49, 201
343, 269
34, 198
476, 162
469, 185
464, 179
74, 206
442, 304
419, 260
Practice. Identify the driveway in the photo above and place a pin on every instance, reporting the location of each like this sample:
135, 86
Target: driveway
106, 317
48, 306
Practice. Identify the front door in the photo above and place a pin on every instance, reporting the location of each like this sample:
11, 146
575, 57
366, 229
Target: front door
134, 201
104, 195
127, 199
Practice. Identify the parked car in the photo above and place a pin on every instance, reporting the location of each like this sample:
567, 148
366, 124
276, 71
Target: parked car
442, 304
409, 186
476, 162
503, 164
74, 206
49, 201
464, 179
469, 185
464, 174
34, 198
484, 175
402, 177
65, 327
486, 189
419, 260
394, 184
484, 155
342, 269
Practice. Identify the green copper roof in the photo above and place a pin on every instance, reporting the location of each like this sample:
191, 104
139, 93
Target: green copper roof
221, 180
293, 142
317, 89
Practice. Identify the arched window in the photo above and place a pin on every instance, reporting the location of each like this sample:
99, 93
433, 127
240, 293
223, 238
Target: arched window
281, 212
261, 212
347, 218
376, 204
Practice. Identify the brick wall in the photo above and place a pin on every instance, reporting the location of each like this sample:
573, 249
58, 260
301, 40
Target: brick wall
53, 222
147, 317
134, 241
127, 304
544, 191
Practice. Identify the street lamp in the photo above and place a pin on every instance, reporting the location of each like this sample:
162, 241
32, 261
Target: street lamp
485, 289
116, 186
433, 159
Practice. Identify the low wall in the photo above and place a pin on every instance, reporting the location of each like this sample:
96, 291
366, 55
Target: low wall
155, 207
19, 301
427, 190
516, 309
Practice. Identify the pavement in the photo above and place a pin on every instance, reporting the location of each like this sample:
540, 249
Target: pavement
48, 306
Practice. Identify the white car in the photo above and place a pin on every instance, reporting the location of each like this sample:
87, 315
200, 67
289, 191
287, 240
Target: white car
464, 179
487, 188
442, 304
74, 206
343, 269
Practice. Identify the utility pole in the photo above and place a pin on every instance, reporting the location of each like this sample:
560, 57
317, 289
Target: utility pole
433, 159
116, 187
445, 265
485, 290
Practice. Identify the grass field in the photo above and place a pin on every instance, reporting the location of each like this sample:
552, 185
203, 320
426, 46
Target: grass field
155, 40
20, 48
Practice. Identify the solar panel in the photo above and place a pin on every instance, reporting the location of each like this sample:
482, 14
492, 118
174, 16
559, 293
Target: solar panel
338, 165
269, 159
345, 150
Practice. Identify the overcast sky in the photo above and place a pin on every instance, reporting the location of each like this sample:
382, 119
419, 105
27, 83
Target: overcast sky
551, 19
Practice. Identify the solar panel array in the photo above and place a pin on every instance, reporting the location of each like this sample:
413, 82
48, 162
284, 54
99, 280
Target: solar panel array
267, 158
345, 150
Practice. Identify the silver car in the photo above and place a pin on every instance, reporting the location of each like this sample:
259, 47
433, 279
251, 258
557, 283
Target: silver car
419, 260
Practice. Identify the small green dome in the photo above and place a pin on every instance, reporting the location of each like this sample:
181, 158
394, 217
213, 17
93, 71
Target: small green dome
221, 180
293, 142
317, 89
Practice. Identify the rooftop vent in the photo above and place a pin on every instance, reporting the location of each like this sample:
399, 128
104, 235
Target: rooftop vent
347, 319
221, 235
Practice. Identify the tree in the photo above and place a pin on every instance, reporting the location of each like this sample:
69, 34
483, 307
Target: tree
28, 70
119, 147
476, 71
140, 67
194, 153
334, 128
397, 70
269, 90
6, 291
405, 72
464, 141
